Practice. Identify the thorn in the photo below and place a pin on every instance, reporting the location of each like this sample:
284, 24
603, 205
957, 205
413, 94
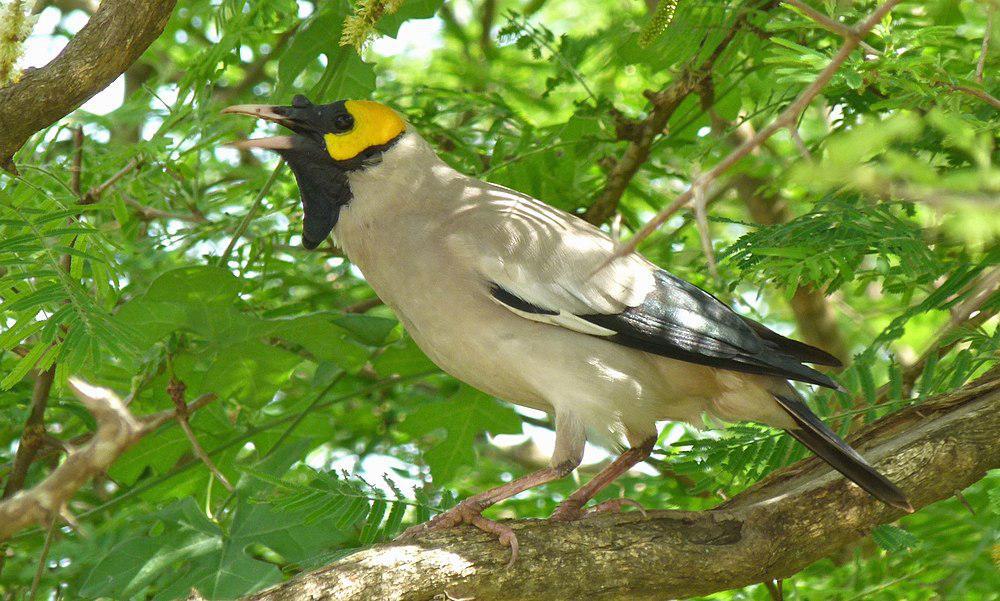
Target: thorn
961, 499
8, 166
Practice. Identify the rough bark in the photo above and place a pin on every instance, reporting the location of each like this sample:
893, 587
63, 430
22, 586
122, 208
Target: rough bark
117, 34
772, 530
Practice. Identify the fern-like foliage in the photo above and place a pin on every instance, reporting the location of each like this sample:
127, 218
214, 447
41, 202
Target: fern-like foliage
343, 501
50, 313
835, 244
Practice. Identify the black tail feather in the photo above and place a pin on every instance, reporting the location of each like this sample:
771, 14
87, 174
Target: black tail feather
823, 441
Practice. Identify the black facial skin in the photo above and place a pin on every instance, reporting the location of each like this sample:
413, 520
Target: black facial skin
322, 180
314, 120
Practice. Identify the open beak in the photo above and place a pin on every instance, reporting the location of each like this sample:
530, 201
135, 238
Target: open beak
267, 112
322, 184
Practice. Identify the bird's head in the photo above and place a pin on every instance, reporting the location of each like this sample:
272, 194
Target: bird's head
328, 141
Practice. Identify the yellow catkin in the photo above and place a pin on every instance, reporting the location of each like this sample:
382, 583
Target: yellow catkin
359, 28
15, 25
658, 24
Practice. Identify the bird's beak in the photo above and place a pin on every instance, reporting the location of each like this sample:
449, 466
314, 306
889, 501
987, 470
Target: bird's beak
322, 183
267, 112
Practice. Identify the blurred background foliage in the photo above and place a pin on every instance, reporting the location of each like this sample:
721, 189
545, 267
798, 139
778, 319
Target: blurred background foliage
872, 232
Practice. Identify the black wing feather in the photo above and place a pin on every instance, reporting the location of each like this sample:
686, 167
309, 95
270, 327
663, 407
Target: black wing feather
800, 350
681, 321
820, 439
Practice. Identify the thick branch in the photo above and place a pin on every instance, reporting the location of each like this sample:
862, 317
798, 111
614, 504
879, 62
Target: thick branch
794, 517
117, 34
33, 435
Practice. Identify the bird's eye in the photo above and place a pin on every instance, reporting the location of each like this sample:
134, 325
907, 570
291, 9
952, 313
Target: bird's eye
343, 122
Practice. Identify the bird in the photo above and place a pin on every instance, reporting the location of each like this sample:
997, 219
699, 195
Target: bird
534, 305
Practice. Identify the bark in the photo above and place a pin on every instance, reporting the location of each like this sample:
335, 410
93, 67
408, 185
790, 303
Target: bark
790, 519
117, 34
117, 430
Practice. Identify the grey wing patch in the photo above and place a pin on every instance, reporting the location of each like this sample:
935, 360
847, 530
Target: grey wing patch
681, 321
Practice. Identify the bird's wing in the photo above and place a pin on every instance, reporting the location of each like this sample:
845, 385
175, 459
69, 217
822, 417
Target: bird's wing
551, 267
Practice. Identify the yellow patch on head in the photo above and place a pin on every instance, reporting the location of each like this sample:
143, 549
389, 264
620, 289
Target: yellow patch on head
374, 125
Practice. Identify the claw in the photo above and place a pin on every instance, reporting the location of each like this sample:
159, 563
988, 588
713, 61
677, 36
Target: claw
466, 512
616, 506
569, 511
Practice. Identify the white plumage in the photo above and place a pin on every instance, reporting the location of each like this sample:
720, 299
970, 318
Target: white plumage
430, 241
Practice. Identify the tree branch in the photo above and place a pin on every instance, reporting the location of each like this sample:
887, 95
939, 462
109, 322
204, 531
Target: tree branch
117, 430
984, 50
833, 25
786, 119
790, 519
645, 132
33, 435
117, 34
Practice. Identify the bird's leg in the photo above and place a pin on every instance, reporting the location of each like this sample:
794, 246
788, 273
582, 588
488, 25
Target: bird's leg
572, 507
470, 510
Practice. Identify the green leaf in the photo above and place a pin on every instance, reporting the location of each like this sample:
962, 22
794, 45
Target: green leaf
200, 284
367, 329
893, 539
463, 417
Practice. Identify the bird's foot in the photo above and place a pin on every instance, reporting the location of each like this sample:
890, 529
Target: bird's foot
570, 510
466, 512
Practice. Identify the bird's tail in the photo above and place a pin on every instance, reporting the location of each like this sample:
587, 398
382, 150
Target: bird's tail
823, 441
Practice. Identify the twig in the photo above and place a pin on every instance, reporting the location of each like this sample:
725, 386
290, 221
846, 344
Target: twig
643, 134
775, 589
985, 49
77, 168
245, 222
786, 119
833, 25
701, 221
800, 144
176, 389
363, 306
41, 560
146, 213
117, 430
488, 15
95, 193
33, 434
974, 92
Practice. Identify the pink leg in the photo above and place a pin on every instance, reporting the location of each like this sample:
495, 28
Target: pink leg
572, 507
470, 510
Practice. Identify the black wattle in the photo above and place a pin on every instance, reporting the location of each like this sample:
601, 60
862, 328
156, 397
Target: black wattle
324, 189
